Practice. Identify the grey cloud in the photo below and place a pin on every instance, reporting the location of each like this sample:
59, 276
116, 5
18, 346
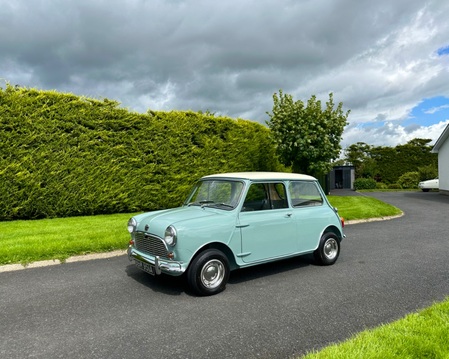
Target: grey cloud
228, 57
411, 128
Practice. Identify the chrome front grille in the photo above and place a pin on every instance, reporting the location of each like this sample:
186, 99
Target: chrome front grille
150, 244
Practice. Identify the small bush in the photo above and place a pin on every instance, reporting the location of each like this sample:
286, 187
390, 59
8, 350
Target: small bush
427, 172
380, 185
364, 183
394, 186
409, 180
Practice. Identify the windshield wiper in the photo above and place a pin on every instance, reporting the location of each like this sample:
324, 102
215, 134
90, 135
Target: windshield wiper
200, 203
218, 205
207, 203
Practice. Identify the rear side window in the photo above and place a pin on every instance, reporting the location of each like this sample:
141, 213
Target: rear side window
304, 193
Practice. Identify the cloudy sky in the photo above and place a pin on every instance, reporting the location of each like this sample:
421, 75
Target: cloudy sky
387, 61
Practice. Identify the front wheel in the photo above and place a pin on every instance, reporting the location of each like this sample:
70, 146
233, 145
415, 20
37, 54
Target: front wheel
328, 250
208, 273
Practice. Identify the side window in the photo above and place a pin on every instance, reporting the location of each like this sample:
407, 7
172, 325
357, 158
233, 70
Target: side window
278, 198
262, 196
304, 194
256, 198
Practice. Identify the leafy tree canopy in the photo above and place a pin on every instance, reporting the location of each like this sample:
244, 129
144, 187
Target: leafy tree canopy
359, 155
307, 136
387, 164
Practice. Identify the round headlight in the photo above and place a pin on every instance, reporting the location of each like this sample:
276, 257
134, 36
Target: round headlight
132, 224
170, 236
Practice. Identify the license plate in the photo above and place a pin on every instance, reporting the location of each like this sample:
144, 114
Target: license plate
145, 267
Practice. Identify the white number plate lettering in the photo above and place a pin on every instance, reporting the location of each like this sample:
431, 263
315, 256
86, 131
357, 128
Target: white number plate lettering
145, 267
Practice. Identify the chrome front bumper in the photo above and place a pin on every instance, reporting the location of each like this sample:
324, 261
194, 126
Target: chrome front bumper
159, 265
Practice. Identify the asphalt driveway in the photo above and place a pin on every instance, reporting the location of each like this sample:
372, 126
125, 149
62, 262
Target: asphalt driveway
109, 309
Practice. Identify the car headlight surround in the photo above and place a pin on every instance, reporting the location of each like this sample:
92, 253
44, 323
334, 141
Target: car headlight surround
132, 224
170, 236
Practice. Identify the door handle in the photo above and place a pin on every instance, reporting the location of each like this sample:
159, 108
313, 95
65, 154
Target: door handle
288, 215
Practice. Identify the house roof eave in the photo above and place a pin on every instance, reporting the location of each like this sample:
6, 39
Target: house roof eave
443, 137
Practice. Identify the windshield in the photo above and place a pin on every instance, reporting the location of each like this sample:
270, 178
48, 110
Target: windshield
223, 194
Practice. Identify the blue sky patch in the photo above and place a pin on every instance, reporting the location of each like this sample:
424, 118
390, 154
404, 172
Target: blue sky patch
443, 51
429, 111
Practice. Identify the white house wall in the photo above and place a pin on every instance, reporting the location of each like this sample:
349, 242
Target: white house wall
443, 166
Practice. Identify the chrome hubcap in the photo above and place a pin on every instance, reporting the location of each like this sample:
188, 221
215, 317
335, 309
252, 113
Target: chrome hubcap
212, 274
331, 248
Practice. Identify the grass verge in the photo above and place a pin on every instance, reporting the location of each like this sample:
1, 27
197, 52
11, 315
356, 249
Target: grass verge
360, 207
30, 241
419, 335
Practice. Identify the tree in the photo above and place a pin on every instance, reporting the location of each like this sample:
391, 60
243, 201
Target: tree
392, 162
387, 164
307, 137
359, 155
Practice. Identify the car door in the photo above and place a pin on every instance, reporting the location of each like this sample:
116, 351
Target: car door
267, 228
310, 213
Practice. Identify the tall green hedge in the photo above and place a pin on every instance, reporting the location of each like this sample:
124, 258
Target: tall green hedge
64, 155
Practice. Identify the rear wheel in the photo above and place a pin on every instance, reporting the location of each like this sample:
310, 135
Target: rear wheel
208, 273
328, 250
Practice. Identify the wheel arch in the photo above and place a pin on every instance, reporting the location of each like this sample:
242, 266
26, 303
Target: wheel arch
334, 230
222, 248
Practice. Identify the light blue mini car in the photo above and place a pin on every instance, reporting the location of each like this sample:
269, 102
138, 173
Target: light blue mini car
236, 220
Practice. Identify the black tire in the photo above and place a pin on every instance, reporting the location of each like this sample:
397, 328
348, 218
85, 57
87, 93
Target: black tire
208, 273
425, 190
328, 250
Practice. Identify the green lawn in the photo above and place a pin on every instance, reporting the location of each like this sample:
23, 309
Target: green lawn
419, 335
59, 238
362, 207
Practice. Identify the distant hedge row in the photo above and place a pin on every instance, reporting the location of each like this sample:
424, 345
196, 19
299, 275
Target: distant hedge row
64, 155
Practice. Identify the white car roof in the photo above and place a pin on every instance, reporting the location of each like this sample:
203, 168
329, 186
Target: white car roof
262, 176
